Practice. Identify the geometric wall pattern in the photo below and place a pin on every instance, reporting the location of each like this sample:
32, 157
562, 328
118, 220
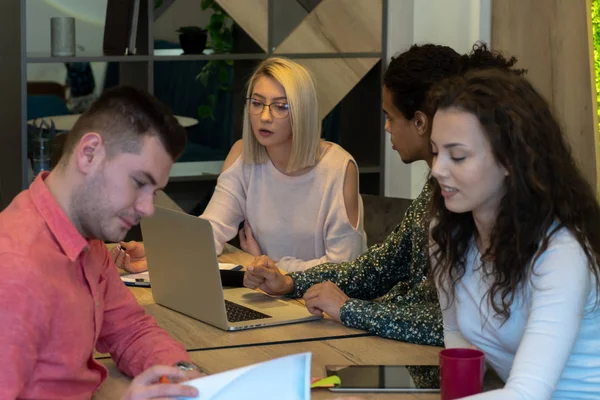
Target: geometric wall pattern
333, 26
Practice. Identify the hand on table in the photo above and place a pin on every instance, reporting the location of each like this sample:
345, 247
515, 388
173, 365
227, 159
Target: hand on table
133, 259
263, 274
147, 385
325, 297
247, 241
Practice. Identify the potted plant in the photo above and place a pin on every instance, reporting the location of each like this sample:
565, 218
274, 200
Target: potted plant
192, 39
221, 41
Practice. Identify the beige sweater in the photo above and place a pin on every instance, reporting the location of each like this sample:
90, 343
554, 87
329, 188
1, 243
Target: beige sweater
298, 221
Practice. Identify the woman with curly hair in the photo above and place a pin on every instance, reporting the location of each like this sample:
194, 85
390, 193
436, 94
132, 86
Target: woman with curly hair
515, 238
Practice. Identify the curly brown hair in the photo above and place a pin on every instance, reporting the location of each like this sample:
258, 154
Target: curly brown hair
545, 191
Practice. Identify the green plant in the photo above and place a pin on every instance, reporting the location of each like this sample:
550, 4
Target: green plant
220, 39
219, 27
221, 70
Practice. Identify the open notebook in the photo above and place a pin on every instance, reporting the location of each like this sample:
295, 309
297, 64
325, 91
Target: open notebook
282, 378
143, 278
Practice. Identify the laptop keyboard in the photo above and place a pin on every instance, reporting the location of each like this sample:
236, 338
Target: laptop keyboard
238, 313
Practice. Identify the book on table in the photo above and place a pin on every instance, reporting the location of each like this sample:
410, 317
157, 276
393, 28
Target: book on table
143, 278
281, 378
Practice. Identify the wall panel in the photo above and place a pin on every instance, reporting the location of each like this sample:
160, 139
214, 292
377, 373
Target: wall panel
552, 40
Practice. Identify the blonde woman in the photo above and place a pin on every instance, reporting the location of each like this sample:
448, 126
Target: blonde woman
296, 194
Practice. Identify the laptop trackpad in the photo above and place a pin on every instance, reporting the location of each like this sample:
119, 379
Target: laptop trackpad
261, 300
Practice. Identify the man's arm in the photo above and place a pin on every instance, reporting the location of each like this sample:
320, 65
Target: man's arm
131, 336
23, 323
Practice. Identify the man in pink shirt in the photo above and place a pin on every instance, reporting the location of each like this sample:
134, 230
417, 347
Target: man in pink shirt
60, 292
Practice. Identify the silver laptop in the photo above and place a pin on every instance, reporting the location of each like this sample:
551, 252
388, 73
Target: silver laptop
184, 271
162, 199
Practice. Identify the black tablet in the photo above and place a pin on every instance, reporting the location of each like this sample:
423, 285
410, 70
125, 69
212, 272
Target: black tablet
386, 378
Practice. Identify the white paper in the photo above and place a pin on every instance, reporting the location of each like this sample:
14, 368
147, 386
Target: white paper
227, 266
132, 277
146, 277
282, 378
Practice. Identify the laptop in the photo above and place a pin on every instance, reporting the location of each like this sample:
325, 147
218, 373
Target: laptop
184, 271
162, 199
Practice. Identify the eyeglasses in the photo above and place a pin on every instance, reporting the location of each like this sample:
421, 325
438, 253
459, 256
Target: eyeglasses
277, 109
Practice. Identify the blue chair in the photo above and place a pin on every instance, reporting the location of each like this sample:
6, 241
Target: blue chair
45, 105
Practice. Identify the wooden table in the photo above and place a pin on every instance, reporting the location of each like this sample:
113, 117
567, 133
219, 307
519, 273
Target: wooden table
197, 335
365, 350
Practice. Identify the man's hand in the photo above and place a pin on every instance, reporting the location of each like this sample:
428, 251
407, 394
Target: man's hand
193, 375
147, 385
132, 259
247, 241
263, 274
325, 297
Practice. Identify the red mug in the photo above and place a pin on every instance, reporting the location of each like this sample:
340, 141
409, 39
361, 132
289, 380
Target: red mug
461, 372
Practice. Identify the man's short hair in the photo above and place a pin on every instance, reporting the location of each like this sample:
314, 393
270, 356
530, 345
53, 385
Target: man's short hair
122, 116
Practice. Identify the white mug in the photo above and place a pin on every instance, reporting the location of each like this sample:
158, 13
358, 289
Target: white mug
62, 33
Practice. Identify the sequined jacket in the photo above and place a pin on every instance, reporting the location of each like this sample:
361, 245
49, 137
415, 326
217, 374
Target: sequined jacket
387, 286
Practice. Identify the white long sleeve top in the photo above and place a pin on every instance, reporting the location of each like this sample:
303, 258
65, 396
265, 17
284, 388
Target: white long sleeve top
298, 221
549, 348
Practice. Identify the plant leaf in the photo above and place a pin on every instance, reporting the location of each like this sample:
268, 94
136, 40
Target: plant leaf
203, 78
205, 4
205, 111
223, 75
216, 22
217, 18
212, 99
595, 16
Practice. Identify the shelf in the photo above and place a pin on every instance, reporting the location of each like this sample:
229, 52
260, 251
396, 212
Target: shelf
210, 170
195, 170
160, 55
175, 55
369, 169
213, 177
41, 58
194, 178
178, 55
141, 70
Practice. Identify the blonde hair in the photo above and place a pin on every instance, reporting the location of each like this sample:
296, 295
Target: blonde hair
301, 94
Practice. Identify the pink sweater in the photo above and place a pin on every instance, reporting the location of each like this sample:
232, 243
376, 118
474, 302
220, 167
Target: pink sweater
298, 221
